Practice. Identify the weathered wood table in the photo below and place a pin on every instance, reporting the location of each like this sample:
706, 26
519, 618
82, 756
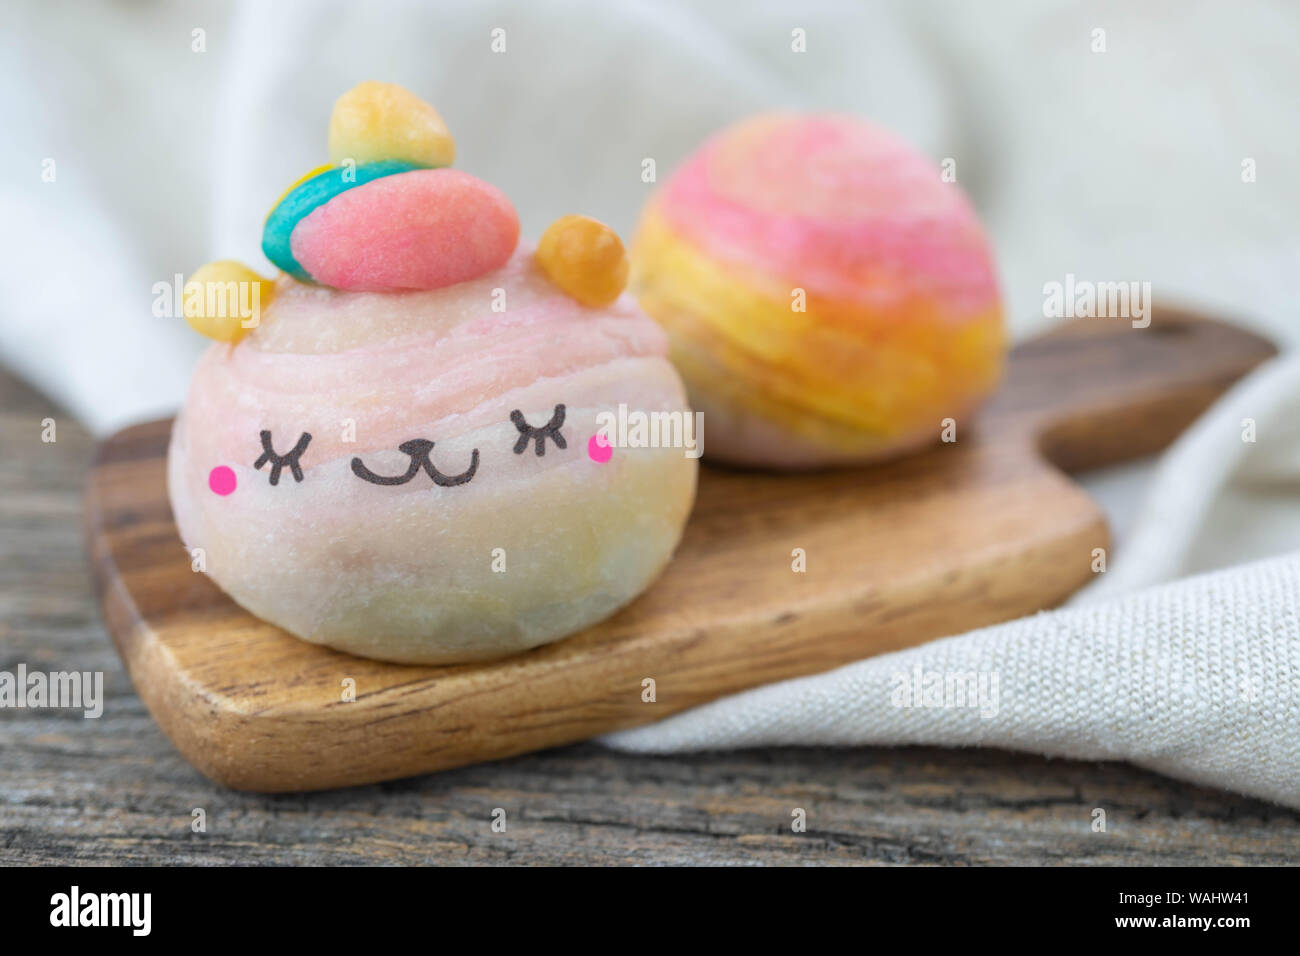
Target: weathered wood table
113, 790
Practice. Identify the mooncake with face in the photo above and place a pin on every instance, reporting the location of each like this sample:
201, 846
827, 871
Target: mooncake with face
395, 448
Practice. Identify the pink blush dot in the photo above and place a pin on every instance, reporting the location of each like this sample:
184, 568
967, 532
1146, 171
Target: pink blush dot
599, 449
221, 480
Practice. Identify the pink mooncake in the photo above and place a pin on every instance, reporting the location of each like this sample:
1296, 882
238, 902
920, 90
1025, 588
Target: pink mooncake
829, 297
425, 475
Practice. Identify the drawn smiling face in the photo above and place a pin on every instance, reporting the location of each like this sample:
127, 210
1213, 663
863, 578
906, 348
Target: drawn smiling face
419, 450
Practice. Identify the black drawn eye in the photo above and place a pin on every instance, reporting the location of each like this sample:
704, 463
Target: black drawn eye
279, 461
528, 433
418, 449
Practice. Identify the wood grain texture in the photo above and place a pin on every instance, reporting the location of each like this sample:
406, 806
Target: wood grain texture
966, 534
114, 791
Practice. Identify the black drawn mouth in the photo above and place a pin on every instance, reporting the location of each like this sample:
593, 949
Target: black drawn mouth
418, 449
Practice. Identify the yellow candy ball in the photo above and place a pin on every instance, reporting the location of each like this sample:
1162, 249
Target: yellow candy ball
376, 121
585, 258
224, 300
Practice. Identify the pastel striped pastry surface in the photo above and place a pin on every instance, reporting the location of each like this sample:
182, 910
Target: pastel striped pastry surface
529, 549
829, 299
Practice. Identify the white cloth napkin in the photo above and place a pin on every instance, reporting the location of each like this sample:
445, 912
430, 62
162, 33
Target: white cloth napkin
1198, 679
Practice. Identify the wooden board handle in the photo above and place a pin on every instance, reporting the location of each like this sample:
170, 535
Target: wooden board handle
1116, 392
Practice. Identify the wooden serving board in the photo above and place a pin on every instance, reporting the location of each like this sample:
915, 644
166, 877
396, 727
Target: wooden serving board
965, 534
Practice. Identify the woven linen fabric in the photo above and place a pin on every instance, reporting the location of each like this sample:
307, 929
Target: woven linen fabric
1198, 679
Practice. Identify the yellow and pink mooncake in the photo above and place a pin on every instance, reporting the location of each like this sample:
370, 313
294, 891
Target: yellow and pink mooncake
398, 450
829, 297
